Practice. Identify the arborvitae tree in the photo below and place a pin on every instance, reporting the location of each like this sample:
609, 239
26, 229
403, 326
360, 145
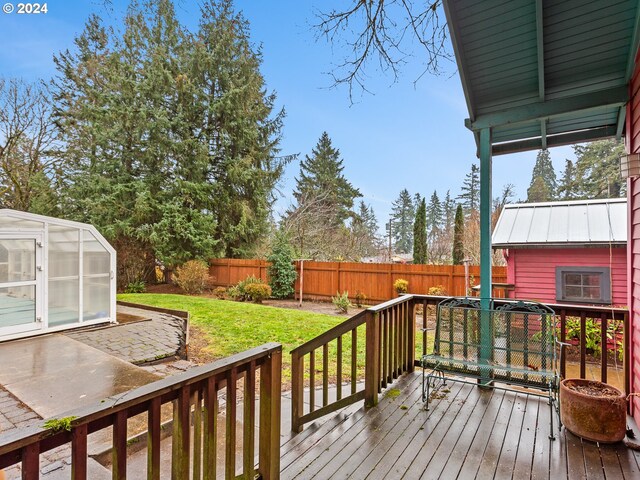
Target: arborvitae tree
282, 272
402, 215
538, 191
597, 170
321, 179
470, 191
566, 186
543, 169
458, 235
420, 234
435, 216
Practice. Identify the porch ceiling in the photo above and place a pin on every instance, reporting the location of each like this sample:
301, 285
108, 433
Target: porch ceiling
543, 73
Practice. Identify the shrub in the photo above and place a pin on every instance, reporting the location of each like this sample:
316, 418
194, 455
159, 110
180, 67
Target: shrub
401, 286
234, 293
282, 273
360, 298
437, 290
257, 292
341, 301
193, 276
135, 287
238, 291
220, 292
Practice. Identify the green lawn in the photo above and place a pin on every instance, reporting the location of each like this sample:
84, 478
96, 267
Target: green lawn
231, 327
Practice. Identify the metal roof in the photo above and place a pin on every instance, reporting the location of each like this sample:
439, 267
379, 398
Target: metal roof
570, 223
542, 73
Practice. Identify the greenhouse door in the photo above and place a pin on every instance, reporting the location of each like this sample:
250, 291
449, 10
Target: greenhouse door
20, 283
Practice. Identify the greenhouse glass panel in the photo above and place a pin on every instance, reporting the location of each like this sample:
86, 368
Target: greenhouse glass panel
17, 305
13, 223
54, 275
96, 278
64, 275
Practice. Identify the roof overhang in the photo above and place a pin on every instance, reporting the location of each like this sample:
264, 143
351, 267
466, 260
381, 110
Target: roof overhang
541, 73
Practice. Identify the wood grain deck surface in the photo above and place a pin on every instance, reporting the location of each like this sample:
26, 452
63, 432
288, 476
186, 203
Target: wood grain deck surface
468, 433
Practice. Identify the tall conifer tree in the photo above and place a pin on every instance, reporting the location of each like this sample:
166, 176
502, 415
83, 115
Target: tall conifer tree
420, 234
165, 152
402, 217
544, 189
322, 179
470, 191
458, 236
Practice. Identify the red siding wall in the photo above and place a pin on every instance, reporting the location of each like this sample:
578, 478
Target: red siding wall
633, 251
533, 271
632, 143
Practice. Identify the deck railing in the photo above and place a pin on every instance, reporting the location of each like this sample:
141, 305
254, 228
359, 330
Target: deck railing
391, 329
195, 402
388, 337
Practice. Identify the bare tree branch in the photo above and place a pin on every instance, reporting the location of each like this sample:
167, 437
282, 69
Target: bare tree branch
383, 29
26, 138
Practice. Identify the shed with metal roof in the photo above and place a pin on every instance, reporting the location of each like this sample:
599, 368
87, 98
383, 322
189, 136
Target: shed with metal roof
574, 223
568, 252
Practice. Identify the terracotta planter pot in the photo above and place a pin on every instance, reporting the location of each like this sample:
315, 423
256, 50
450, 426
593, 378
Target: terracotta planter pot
594, 416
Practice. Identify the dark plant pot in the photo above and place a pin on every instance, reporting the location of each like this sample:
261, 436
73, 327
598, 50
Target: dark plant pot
600, 415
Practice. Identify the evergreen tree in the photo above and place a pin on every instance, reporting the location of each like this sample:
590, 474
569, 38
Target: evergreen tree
435, 216
240, 126
458, 235
566, 186
543, 169
321, 179
282, 272
402, 216
364, 230
165, 153
420, 234
417, 198
470, 191
597, 170
449, 208
538, 191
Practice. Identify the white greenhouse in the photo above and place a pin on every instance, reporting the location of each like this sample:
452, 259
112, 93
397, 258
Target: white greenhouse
54, 275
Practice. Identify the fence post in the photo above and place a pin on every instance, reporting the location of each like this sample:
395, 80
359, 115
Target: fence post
270, 392
297, 391
372, 353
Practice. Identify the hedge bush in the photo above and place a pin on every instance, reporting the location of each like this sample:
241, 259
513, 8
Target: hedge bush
192, 276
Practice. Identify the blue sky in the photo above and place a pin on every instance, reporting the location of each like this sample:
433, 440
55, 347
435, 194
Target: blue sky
404, 135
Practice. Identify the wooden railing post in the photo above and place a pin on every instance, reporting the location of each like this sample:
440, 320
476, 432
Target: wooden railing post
411, 335
372, 352
297, 391
270, 392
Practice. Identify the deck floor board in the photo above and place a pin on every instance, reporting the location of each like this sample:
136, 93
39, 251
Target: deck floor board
468, 433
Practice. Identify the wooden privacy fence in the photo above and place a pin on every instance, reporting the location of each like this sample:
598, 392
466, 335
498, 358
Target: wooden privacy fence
323, 279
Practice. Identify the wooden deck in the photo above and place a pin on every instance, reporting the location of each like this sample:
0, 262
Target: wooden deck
468, 433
